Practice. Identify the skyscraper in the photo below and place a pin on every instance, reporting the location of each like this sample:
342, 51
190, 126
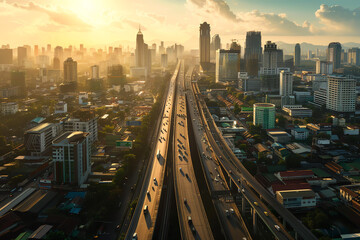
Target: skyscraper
139, 51
333, 54
271, 55
21, 55
6, 56
341, 94
297, 55
253, 52
204, 43
95, 72
36, 50
215, 45
70, 70
227, 62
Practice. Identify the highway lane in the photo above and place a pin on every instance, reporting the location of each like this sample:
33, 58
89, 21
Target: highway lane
240, 172
187, 194
232, 223
145, 214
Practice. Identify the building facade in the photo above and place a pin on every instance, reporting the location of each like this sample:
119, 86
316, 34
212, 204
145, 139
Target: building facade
71, 157
264, 115
341, 94
204, 43
333, 54
227, 65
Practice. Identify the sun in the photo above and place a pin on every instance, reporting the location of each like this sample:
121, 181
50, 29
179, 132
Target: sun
86, 9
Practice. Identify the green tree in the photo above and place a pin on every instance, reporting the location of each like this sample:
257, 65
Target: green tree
250, 166
119, 176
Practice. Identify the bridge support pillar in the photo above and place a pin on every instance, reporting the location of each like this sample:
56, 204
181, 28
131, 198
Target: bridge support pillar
254, 220
243, 206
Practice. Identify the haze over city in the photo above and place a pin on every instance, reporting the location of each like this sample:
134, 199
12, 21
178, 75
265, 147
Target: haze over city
74, 22
181, 119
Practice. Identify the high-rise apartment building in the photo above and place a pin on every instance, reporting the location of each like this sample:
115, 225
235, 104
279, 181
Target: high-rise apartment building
297, 54
227, 62
95, 72
38, 140
71, 157
6, 56
353, 56
264, 115
85, 122
253, 52
36, 50
164, 60
341, 94
21, 55
70, 70
324, 67
286, 88
286, 83
204, 43
333, 54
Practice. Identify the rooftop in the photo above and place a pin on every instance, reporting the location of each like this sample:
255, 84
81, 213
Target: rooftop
305, 193
39, 128
70, 137
266, 105
296, 173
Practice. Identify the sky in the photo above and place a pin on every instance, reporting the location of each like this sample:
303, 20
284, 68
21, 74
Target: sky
109, 22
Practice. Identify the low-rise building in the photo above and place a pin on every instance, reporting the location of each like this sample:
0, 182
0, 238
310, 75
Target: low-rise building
300, 133
61, 107
296, 174
305, 198
299, 148
279, 136
8, 108
297, 111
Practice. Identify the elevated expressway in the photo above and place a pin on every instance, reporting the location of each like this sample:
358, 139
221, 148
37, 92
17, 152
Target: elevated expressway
252, 191
187, 195
231, 221
143, 221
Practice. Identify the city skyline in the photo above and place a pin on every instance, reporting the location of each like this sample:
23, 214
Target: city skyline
75, 22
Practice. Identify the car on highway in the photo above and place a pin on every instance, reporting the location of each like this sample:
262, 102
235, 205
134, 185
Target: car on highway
232, 211
148, 193
256, 203
277, 227
180, 157
227, 213
266, 213
180, 169
134, 237
190, 220
146, 209
185, 201
186, 175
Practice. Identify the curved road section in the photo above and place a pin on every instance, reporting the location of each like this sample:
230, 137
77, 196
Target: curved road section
191, 213
143, 221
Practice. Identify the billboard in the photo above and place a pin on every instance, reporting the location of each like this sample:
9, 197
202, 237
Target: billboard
123, 144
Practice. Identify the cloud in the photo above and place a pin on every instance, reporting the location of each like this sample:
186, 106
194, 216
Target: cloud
211, 8
158, 18
277, 24
134, 24
58, 16
339, 20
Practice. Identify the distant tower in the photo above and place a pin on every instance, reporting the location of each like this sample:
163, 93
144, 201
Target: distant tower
204, 43
286, 83
56, 63
333, 54
215, 45
139, 51
297, 55
270, 55
253, 52
70, 70
95, 72
21, 55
